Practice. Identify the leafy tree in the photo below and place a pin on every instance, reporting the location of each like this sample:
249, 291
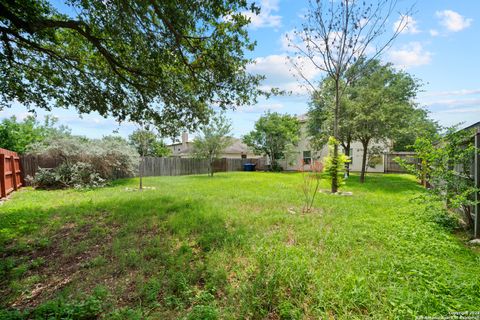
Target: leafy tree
447, 167
320, 119
381, 102
419, 125
19, 135
273, 134
334, 34
165, 61
148, 143
213, 140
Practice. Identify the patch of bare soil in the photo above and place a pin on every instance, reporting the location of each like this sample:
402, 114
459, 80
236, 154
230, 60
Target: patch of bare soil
60, 268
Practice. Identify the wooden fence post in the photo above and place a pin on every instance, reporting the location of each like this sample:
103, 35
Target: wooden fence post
3, 189
14, 173
476, 232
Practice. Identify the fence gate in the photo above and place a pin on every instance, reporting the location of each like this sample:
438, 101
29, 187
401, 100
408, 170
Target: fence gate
10, 173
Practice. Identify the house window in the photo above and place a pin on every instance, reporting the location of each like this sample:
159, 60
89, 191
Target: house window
244, 156
307, 157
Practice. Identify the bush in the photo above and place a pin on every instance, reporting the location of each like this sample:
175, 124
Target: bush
447, 168
276, 167
84, 162
335, 166
78, 175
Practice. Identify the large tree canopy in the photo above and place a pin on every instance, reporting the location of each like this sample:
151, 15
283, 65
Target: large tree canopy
166, 60
213, 140
377, 106
272, 135
18, 136
382, 104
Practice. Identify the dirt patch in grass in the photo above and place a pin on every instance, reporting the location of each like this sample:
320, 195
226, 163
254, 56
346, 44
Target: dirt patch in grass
60, 266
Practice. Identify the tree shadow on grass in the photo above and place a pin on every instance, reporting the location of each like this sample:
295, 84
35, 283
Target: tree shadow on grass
151, 250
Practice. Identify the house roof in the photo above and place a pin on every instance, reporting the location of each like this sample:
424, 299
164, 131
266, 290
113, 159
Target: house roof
475, 125
237, 146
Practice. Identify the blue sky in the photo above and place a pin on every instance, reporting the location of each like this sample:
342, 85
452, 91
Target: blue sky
440, 47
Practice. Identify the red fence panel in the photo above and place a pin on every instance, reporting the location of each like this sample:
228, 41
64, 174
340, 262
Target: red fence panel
10, 172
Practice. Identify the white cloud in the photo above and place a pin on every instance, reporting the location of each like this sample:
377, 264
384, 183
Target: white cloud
462, 92
279, 72
410, 55
407, 24
434, 32
461, 110
285, 40
261, 108
266, 18
452, 103
453, 21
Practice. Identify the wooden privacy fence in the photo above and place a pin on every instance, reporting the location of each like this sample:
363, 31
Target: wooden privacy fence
31, 164
391, 166
154, 166
10, 172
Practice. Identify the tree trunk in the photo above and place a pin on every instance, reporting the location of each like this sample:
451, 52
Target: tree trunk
364, 160
468, 216
210, 166
273, 162
347, 153
335, 135
141, 173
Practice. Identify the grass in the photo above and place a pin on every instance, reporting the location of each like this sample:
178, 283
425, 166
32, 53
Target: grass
229, 247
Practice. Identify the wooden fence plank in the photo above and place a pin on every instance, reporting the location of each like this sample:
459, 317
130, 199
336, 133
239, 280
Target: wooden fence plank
10, 172
391, 166
152, 166
3, 187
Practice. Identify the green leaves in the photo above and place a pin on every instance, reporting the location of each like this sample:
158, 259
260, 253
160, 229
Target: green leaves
166, 61
148, 143
18, 136
213, 139
446, 164
272, 134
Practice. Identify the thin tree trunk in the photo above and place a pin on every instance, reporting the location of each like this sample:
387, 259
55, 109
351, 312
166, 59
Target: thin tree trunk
335, 135
468, 217
141, 173
347, 153
364, 160
210, 166
273, 162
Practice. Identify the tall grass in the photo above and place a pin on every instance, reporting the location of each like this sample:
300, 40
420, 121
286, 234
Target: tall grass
232, 247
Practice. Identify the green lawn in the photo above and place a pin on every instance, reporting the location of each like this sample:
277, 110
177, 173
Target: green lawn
230, 247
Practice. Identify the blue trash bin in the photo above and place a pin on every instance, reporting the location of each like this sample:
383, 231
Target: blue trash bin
249, 167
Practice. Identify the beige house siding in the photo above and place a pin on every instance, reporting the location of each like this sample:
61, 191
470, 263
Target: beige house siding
295, 159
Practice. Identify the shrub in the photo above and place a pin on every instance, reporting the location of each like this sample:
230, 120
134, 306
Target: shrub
335, 165
84, 162
310, 183
446, 167
276, 167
